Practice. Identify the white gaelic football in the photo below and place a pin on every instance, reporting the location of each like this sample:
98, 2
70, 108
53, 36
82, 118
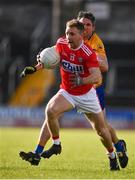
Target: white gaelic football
50, 57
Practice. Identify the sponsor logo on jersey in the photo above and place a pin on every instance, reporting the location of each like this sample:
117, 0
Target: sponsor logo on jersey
70, 67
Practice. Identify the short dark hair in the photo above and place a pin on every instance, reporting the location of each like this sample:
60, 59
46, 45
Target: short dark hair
75, 23
88, 15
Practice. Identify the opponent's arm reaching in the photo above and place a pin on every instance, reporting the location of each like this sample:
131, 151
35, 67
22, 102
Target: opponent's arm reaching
103, 63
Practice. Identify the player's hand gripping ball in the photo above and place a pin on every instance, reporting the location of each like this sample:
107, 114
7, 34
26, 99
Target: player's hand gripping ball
49, 57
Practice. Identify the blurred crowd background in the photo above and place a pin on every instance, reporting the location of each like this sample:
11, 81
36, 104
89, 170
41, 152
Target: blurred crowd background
27, 26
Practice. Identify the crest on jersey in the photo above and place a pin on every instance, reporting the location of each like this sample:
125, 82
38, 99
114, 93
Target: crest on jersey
72, 57
80, 59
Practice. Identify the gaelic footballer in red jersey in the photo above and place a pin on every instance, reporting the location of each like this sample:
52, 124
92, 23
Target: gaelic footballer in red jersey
79, 71
75, 61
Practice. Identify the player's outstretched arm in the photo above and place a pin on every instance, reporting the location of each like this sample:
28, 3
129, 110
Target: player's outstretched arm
31, 69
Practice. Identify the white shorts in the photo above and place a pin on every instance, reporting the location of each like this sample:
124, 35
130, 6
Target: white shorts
86, 103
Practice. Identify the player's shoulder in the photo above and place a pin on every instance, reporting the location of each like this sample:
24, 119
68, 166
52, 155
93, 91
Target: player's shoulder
62, 40
96, 38
86, 49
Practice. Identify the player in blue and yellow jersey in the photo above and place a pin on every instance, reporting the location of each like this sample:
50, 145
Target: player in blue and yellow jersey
90, 36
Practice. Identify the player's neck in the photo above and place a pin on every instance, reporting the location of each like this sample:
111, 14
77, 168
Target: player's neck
89, 37
79, 46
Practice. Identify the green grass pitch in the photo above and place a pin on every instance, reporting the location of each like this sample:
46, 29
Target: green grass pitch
83, 156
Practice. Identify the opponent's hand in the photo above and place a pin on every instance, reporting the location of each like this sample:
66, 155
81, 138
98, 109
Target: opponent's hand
27, 70
75, 80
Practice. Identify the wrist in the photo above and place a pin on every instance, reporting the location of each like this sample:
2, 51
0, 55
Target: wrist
81, 81
39, 66
34, 69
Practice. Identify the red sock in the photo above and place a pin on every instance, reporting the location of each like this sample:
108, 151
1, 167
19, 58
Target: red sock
111, 153
55, 137
110, 150
56, 140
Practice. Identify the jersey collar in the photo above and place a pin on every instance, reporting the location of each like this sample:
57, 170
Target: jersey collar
79, 46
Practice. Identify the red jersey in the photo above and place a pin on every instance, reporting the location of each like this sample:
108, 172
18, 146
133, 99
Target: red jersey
75, 61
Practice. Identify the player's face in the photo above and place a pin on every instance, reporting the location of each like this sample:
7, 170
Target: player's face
88, 27
74, 37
